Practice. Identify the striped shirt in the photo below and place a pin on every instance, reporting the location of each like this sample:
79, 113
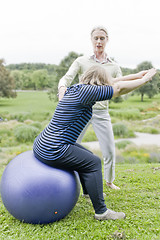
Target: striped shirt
70, 117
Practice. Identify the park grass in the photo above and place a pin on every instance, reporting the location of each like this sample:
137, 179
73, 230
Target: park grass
37, 104
33, 105
29, 101
132, 109
139, 196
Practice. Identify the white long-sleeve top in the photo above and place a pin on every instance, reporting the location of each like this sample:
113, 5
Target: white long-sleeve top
83, 63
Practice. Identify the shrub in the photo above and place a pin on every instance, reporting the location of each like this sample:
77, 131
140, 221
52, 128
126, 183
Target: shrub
39, 116
5, 132
28, 121
20, 117
37, 125
120, 130
4, 115
117, 99
151, 130
133, 114
122, 144
137, 156
25, 133
90, 135
154, 157
120, 159
6, 138
26, 116
134, 154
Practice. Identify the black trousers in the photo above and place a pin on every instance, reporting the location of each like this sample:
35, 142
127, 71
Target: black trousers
89, 168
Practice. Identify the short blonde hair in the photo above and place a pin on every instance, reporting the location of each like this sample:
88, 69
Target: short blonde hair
100, 28
96, 75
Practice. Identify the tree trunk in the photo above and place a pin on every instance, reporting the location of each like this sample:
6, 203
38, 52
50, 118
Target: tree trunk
142, 97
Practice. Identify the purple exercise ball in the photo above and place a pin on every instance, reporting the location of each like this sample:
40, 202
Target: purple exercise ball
34, 192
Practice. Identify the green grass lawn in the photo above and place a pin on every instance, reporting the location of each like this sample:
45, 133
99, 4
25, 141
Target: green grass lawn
134, 101
33, 105
133, 109
37, 102
29, 101
139, 196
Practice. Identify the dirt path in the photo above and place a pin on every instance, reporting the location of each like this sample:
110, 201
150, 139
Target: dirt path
141, 139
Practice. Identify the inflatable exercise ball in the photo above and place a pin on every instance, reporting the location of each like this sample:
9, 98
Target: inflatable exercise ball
34, 192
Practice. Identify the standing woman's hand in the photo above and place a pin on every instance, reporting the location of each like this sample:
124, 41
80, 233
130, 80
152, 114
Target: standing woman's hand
61, 92
141, 74
148, 76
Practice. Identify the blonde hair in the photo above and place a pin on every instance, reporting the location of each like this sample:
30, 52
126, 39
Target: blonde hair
100, 28
96, 75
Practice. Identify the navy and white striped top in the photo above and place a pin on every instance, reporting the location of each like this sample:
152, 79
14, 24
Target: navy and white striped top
70, 117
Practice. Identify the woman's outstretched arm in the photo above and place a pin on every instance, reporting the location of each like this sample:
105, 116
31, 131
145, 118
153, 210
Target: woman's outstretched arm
130, 77
125, 86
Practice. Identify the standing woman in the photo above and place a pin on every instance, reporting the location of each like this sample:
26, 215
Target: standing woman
100, 120
56, 144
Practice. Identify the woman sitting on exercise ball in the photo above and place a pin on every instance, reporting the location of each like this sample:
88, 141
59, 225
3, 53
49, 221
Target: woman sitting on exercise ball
56, 144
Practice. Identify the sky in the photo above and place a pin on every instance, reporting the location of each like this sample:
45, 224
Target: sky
45, 31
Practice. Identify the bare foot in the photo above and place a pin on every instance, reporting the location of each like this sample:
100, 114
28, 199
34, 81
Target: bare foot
111, 185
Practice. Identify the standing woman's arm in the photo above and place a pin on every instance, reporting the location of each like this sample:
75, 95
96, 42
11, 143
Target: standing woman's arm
125, 86
130, 77
67, 79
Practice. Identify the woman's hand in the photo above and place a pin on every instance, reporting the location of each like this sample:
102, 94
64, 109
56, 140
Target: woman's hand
141, 74
123, 87
131, 77
61, 92
148, 76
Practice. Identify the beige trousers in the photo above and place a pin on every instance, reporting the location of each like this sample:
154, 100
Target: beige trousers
102, 126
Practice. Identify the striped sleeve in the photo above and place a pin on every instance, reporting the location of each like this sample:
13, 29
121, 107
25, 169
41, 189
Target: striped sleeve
92, 93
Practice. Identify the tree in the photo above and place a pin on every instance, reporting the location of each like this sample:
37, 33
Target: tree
26, 80
40, 78
68, 60
151, 88
60, 71
6, 82
17, 76
66, 63
31, 67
